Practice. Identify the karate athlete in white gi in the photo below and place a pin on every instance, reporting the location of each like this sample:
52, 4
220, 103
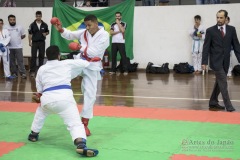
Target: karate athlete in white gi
4, 51
94, 41
198, 35
53, 82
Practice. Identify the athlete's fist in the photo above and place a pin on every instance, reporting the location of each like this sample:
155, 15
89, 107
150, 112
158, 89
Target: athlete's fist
55, 21
57, 24
74, 46
36, 97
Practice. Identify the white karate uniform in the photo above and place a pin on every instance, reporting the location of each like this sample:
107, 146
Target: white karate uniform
61, 101
96, 47
5, 39
197, 47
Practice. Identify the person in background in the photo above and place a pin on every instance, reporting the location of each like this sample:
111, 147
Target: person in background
219, 40
9, 3
17, 33
88, 4
4, 51
38, 30
163, 2
117, 32
197, 34
148, 2
102, 3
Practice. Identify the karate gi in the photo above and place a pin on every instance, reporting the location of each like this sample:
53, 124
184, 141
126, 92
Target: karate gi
197, 46
96, 46
5, 39
53, 80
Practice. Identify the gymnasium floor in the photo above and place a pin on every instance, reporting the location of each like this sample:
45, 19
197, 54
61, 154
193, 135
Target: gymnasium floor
139, 116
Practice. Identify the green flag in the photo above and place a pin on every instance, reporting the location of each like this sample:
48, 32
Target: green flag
73, 19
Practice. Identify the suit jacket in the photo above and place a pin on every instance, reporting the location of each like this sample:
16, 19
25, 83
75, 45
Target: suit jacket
218, 48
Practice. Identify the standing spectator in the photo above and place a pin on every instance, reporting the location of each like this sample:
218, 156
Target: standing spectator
217, 45
163, 2
17, 33
4, 51
9, 3
149, 2
117, 32
229, 74
38, 30
198, 34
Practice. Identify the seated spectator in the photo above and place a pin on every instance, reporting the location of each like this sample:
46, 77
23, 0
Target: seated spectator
212, 1
9, 3
208, 1
148, 2
88, 4
225, 1
163, 2
103, 3
94, 3
78, 4
198, 2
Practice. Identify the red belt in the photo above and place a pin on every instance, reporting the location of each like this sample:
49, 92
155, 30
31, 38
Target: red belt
94, 59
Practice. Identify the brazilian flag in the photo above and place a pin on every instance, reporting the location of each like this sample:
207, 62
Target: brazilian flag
73, 19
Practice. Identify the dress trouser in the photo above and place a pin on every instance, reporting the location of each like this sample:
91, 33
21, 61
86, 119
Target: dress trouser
17, 54
40, 47
67, 111
220, 86
121, 48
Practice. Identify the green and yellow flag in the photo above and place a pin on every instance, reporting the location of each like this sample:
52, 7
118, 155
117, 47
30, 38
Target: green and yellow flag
72, 19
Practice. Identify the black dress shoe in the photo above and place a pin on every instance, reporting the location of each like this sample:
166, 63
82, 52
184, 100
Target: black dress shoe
230, 109
216, 106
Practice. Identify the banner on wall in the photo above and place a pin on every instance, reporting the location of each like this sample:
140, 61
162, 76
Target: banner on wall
73, 19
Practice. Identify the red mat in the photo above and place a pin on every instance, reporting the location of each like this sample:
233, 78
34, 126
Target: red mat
193, 157
6, 147
146, 113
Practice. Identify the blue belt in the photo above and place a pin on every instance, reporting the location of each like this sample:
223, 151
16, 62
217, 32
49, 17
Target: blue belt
58, 87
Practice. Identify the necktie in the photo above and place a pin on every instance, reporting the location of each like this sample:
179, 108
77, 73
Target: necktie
221, 29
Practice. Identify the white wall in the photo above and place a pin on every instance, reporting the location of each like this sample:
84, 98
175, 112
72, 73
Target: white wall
24, 17
160, 32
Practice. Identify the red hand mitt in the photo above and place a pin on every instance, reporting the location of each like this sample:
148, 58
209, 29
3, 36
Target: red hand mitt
74, 46
55, 20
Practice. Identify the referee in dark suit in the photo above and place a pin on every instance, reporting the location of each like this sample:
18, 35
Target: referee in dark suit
217, 46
